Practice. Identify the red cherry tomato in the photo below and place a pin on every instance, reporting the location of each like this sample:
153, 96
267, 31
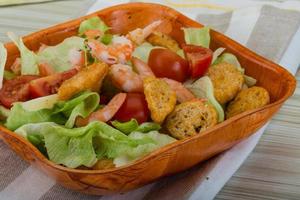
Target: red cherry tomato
134, 107
166, 63
49, 84
199, 59
16, 89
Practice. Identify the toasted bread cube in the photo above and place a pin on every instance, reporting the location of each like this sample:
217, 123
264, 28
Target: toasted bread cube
227, 81
160, 97
161, 39
248, 99
88, 78
190, 118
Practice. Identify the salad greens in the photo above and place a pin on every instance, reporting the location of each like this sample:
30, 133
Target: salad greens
3, 56
143, 51
85, 145
28, 58
62, 112
133, 126
197, 36
93, 23
59, 56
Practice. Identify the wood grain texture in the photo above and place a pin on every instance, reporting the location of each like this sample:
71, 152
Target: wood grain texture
179, 155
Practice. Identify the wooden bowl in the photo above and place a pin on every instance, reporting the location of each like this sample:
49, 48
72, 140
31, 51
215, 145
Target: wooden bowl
177, 156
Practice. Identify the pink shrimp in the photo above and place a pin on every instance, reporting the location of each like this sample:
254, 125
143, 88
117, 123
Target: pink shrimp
105, 114
125, 79
142, 68
119, 51
139, 35
182, 93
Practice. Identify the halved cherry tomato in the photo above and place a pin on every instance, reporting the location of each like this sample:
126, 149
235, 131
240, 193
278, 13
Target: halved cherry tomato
49, 84
16, 89
134, 107
166, 63
199, 59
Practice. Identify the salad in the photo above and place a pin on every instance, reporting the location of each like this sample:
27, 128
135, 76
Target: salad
99, 100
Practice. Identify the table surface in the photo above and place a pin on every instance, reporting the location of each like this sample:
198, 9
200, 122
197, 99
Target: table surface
272, 171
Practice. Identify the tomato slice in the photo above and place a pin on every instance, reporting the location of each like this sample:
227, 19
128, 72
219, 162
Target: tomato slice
199, 59
134, 107
167, 64
16, 89
49, 84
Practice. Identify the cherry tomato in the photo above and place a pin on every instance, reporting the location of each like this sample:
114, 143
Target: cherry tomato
16, 89
49, 84
199, 59
135, 106
166, 63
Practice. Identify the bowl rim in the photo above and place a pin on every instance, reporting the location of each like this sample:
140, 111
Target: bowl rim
289, 78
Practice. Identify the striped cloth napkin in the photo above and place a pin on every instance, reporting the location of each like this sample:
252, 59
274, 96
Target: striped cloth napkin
269, 28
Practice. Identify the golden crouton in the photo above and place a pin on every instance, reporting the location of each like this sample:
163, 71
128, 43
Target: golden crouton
190, 118
247, 99
161, 39
227, 81
160, 97
88, 78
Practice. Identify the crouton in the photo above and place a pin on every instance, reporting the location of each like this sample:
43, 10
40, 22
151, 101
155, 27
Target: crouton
227, 81
248, 99
88, 78
104, 164
190, 118
160, 97
161, 39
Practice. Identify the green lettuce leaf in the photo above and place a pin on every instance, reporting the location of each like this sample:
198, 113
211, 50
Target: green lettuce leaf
93, 23
82, 105
126, 127
3, 56
197, 36
130, 155
29, 65
8, 75
49, 109
142, 52
203, 88
58, 56
83, 146
133, 126
4, 113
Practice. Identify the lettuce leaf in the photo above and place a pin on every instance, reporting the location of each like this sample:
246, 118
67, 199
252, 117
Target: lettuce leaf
93, 23
142, 52
197, 36
48, 109
58, 57
3, 56
203, 88
29, 65
126, 127
131, 155
85, 145
4, 113
133, 126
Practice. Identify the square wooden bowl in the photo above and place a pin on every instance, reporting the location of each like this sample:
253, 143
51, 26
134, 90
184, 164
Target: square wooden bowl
177, 156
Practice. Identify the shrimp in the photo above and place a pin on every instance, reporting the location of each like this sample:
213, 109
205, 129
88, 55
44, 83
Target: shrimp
182, 93
42, 47
119, 51
125, 79
139, 35
106, 113
142, 68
